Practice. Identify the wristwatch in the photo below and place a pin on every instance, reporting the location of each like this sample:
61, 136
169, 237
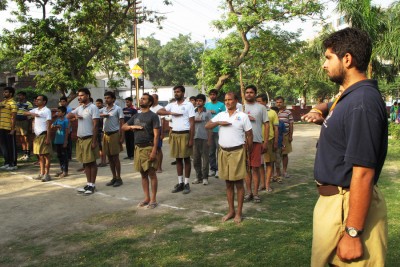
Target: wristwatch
353, 232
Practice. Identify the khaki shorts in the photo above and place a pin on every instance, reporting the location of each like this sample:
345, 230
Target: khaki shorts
270, 155
330, 216
141, 159
84, 151
179, 146
232, 164
21, 127
287, 144
111, 144
39, 146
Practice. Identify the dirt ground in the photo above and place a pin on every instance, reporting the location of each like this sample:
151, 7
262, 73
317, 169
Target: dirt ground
29, 206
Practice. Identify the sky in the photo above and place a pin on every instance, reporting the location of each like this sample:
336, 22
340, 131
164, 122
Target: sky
193, 17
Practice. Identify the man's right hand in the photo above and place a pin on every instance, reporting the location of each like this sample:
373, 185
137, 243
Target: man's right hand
313, 117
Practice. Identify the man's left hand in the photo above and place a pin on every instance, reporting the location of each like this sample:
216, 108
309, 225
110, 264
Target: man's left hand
349, 248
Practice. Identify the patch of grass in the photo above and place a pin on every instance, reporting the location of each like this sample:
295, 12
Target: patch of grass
277, 232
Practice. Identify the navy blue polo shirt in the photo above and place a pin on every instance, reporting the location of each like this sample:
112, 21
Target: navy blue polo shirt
354, 133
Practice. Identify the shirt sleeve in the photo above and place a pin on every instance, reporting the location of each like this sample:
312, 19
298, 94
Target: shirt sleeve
191, 111
96, 113
48, 115
246, 123
121, 114
156, 122
290, 117
265, 114
75, 111
14, 107
168, 107
216, 118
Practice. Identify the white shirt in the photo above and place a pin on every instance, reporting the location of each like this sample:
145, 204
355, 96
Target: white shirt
181, 123
155, 109
234, 134
41, 121
111, 123
88, 113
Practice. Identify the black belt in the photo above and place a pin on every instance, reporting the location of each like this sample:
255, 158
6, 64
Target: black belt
110, 133
43, 133
85, 137
144, 145
180, 132
229, 149
329, 190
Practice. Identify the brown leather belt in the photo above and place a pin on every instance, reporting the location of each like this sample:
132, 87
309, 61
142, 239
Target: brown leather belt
229, 149
180, 132
329, 190
110, 133
144, 145
85, 137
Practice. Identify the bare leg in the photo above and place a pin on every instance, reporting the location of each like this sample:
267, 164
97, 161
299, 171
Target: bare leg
112, 166
91, 172
188, 167
248, 181
47, 163
230, 192
42, 164
154, 185
256, 180
117, 163
145, 186
159, 159
179, 166
285, 162
262, 176
268, 174
240, 198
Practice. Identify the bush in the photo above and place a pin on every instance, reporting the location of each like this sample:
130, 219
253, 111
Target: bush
394, 130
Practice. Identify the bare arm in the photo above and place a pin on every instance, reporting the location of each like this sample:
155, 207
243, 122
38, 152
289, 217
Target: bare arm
66, 135
317, 114
191, 131
266, 136
94, 132
291, 131
13, 118
48, 126
121, 135
156, 132
249, 139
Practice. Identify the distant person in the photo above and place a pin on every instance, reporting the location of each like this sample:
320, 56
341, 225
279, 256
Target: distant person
277, 164
234, 130
42, 143
113, 138
214, 107
182, 136
146, 127
202, 141
192, 100
100, 133
129, 111
154, 108
87, 150
62, 126
394, 111
350, 216
286, 116
8, 114
22, 124
63, 101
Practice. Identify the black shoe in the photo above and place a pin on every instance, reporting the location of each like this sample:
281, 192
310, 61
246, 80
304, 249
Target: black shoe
89, 190
186, 189
112, 182
117, 182
178, 188
173, 163
82, 190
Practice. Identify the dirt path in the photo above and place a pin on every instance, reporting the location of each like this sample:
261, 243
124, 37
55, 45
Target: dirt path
33, 207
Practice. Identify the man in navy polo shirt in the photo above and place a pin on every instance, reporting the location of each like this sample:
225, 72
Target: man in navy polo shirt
350, 217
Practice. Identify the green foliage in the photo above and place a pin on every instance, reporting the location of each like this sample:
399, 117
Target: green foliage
394, 131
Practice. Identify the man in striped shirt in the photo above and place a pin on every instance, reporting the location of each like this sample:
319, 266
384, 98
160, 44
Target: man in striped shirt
8, 114
286, 117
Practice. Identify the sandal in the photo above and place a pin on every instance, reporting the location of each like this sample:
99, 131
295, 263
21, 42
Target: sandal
152, 205
256, 199
248, 197
143, 204
262, 188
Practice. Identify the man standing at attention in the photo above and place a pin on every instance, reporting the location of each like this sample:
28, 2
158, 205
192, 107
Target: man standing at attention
286, 116
42, 141
235, 128
129, 111
146, 127
182, 135
350, 217
113, 119
156, 107
8, 114
22, 124
258, 116
87, 150
214, 107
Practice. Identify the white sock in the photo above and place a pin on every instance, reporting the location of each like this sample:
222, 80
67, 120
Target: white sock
180, 179
186, 180
90, 184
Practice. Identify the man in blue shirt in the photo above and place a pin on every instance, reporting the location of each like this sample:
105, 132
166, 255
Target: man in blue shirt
214, 107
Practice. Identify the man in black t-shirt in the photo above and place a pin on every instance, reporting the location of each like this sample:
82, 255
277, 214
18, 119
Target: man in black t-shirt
350, 217
145, 126
129, 111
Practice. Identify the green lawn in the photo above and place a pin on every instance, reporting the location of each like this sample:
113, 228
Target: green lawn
277, 234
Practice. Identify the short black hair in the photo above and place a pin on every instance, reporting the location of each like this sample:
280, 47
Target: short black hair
10, 89
276, 109
234, 95
99, 100
201, 97
213, 91
151, 98
180, 87
192, 97
63, 98
264, 97
111, 94
252, 87
44, 98
129, 99
90, 99
62, 109
86, 91
280, 98
21, 93
354, 41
